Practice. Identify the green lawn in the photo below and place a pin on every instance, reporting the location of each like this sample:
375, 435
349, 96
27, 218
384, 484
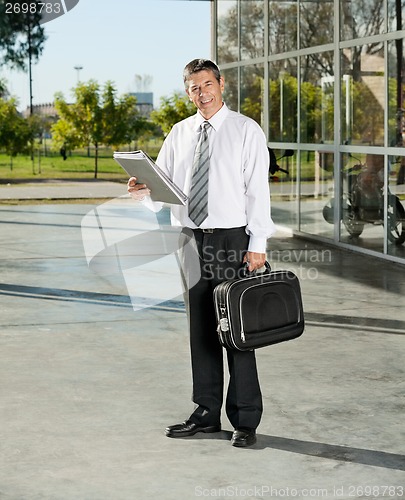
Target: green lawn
78, 165
54, 167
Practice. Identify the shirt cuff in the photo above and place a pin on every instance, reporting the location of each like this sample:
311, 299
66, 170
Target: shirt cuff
257, 244
154, 206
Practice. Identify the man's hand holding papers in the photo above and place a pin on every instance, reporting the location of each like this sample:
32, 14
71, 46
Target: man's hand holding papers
153, 180
137, 191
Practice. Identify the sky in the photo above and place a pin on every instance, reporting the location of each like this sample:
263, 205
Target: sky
116, 40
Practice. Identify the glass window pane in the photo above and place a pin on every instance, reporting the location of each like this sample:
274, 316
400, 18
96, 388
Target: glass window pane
363, 201
252, 91
317, 203
396, 206
316, 23
283, 189
395, 93
317, 104
282, 26
230, 95
251, 28
363, 95
227, 31
396, 15
283, 92
360, 18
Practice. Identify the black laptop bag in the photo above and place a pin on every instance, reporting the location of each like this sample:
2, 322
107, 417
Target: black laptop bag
259, 310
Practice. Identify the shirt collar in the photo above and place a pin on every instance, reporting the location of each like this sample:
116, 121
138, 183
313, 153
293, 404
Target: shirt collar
215, 121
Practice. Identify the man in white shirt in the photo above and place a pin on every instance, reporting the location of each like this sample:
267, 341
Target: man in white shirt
228, 216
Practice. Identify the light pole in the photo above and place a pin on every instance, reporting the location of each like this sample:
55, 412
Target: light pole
281, 76
78, 69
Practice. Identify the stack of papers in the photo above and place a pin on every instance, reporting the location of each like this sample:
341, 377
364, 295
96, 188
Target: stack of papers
138, 164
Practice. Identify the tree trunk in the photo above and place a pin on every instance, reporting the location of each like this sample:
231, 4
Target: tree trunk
96, 160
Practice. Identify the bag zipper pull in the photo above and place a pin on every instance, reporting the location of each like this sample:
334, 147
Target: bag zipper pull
242, 336
223, 324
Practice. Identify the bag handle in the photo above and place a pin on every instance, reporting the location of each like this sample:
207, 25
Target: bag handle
257, 272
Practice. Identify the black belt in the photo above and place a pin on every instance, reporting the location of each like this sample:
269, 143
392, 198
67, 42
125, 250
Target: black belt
217, 230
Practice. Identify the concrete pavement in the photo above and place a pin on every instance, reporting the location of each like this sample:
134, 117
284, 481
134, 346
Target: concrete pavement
61, 190
88, 384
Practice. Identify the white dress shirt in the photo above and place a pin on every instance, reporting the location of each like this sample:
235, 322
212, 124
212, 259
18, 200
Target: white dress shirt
238, 192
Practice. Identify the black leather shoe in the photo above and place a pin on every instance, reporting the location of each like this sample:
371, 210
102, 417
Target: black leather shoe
243, 438
189, 428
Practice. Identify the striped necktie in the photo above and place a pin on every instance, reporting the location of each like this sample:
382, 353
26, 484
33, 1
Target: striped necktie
198, 198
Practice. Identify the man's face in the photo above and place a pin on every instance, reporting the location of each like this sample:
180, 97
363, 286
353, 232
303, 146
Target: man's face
206, 92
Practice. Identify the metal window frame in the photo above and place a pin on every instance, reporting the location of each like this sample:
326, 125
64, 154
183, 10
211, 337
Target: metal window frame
338, 147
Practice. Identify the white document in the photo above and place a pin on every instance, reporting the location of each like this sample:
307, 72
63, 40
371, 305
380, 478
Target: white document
138, 164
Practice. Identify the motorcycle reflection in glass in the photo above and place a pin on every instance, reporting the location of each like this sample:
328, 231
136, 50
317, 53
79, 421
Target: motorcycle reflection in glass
363, 201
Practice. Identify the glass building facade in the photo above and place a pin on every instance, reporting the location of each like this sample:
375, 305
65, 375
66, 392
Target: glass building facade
324, 78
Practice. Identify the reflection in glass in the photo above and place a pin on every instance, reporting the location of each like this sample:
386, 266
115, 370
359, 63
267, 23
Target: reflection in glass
317, 106
316, 23
396, 206
230, 95
252, 91
395, 93
227, 31
360, 18
396, 15
251, 29
283, 189
282, 26
300, 49
363, 201
317, 203
363, 95
283, 91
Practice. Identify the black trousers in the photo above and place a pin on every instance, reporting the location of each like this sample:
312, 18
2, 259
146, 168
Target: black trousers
217, 256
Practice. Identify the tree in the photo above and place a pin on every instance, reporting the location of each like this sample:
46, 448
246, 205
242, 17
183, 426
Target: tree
172, 110
96, 117
15, 131
21, 35
283, 107
120, 118
3, 89
251, 101
252, 29
80, 123
282, 26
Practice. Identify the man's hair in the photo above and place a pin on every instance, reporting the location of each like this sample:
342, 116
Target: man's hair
200, 65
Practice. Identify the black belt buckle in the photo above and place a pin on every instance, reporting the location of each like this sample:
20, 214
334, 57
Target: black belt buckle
209, 231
